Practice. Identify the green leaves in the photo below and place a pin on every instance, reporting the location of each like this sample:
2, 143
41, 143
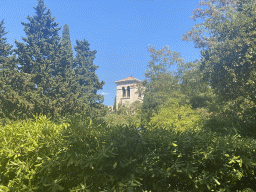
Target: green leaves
88, 82
227, 35
88, 155
176, 116
48, 80
125, 115
161, 83
23, 156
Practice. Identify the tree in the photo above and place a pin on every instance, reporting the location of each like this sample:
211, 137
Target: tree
38, 56
65, 41
65, 54
193, 86
160, 83
13, 84
85, 76
114, 107
228, 55
176, 115
227, 36
6, 70
5, 48
49, 80
64, 78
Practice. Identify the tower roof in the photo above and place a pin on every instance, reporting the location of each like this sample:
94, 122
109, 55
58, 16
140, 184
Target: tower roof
131, 78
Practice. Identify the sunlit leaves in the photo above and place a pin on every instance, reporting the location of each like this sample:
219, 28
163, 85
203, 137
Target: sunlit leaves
176, 115
226, 33
161, 82
88, 155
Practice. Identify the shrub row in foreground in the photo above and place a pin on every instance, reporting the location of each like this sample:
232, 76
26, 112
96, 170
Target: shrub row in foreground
86, 155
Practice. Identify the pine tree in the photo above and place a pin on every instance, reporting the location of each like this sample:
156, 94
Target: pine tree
5, 51
77, 82
85, 74
38, 56
13, 104
5, 48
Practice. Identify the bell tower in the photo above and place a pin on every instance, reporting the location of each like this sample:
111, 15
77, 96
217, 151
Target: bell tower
127, 91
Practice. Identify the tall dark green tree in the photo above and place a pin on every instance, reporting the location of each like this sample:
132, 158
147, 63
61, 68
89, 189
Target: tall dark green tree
5, 71
64, 77
65, 55
13, 104
5, 48
114, 107
85, 75
38, 56
65, 41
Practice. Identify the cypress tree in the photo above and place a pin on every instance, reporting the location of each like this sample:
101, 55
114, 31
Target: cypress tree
65, 55
114, 107
65, 41
66, 92
65, 64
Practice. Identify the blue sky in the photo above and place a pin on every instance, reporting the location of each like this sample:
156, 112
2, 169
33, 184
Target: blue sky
120, 31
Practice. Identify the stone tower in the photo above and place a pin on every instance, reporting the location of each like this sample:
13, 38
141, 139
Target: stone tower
127, 91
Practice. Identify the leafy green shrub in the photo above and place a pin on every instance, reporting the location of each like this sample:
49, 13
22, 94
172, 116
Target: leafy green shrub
121, 158
127, 114
177, 116
233, 116
88, 155
24, 147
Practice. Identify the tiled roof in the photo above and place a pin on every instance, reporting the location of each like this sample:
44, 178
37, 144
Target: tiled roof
128, 78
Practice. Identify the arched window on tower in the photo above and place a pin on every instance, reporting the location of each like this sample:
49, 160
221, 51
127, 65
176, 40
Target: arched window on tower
128, 91
124, 94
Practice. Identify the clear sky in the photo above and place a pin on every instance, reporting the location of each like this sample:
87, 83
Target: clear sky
120, 31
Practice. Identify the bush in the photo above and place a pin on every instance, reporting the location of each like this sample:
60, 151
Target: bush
88, 155
176, 115
237, 115
24, 147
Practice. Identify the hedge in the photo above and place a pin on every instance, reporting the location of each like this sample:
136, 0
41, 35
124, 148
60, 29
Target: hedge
80, 154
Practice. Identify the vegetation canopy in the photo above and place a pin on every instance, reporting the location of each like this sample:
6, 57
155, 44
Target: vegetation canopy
194, 131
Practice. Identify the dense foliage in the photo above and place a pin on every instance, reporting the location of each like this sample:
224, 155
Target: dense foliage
227, 38
161, 83
43, 77
176, 115
194, 131
84, 155
10, 82
125, 115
